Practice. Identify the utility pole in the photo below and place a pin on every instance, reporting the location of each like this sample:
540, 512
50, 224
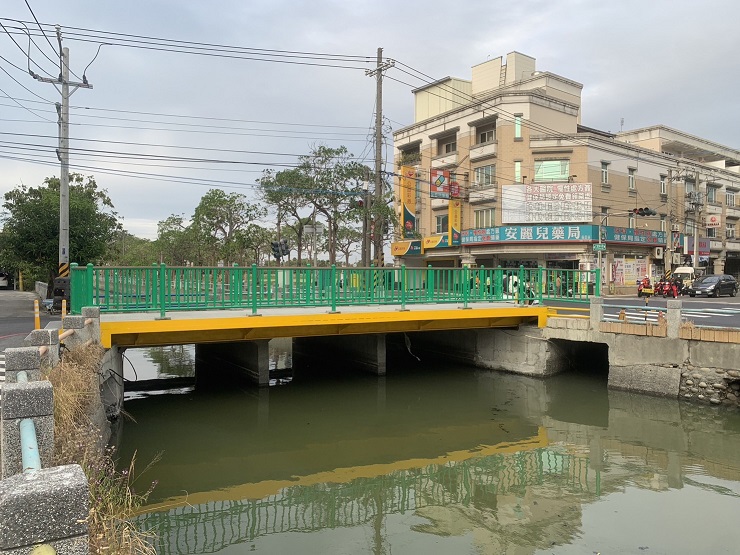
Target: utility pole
378, 224
365, 215
63, 152
697, 193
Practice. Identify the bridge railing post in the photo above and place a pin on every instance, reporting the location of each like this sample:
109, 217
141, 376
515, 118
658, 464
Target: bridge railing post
520, 285
430, 282
333, 290
541, 285
403, 287
162, 291
254, 289
597, 285
466, 286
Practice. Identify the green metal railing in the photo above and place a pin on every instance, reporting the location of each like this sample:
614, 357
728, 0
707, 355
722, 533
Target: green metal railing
162, 288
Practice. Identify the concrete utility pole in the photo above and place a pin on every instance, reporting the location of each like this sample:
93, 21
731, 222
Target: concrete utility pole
697, 209
377, 223
63, 152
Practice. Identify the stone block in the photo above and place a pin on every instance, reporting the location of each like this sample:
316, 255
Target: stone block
43, 506
91, 312
22, 358
38, 338
11, 458
73, 322
25, 400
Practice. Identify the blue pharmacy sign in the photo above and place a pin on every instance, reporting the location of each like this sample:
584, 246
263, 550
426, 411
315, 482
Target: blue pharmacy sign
530, 234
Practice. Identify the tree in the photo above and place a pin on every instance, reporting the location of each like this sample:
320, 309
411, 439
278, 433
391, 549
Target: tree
220, 217
288, 191
349, 241
31, 226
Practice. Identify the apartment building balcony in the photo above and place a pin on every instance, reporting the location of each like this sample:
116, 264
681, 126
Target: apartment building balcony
715, 245
484, 193
483, 150
732, 212
445, 161
440, 203
733, 244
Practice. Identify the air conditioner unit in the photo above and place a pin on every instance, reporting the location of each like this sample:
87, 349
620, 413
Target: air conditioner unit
677, 258
658, 252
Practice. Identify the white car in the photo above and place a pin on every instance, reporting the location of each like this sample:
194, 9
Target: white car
4, 280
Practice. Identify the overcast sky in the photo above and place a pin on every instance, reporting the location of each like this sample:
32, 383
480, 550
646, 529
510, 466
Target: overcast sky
668, 62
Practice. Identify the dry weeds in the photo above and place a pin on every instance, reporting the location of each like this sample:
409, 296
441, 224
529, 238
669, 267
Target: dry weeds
113, 499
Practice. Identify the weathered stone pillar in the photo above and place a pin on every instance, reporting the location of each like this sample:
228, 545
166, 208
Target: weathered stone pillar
48, 338
597, 312
83, 332
48, 506
20, 359
32, 400
673, 317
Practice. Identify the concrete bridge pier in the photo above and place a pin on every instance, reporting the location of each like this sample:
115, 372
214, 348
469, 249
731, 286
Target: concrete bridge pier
111, 382
365, 350
216, 362
522, 350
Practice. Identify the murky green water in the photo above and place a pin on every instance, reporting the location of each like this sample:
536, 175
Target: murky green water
435, 460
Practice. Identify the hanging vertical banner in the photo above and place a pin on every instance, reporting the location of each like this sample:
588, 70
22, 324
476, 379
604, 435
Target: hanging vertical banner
454, 221
408, 201
439, 184
454, 186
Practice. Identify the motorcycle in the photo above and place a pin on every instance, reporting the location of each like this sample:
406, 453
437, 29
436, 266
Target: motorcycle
645, 288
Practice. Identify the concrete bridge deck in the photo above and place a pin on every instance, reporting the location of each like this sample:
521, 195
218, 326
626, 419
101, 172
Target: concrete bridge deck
216, 326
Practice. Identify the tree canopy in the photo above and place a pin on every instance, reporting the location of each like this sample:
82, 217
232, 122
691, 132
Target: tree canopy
31, 223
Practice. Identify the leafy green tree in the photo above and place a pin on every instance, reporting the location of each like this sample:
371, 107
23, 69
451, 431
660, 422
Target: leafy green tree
219, 217
349, 241
288, 192
129, 250
31, 224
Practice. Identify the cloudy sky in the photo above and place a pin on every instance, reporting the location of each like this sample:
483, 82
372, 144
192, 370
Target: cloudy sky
162, 126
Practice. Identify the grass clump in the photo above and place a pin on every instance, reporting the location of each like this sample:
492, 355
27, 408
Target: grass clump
78, 423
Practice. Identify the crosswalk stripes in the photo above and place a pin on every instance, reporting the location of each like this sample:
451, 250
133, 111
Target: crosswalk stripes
637, 315
2, 373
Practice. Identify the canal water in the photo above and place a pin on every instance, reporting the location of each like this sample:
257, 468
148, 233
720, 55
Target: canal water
431, 459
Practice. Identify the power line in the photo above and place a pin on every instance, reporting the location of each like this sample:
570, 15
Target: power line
24, 107
42, 31
23, 86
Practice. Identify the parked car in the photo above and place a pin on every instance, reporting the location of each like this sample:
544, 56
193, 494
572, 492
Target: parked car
6, 280
714, 286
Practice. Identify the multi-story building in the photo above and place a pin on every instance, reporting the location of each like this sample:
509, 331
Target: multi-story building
499, 171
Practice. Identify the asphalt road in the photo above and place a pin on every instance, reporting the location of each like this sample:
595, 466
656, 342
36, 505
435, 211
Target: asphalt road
16, 317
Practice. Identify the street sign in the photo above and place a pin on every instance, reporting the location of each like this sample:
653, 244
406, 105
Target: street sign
599, 247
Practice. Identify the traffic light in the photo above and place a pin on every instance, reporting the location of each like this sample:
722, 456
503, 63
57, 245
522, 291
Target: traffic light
276, 250
644, 212
284, 247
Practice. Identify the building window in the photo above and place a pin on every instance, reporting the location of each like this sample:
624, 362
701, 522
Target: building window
631, 221
604, 215
689, 227
485, 217
447, 145
730, 199
690, 186
631, 178
485, 175
662, 222
605, 173
486, 133
711, 232
730, 230
517, 126
442, 224
517, 172
663, 188
712, 195
551, 170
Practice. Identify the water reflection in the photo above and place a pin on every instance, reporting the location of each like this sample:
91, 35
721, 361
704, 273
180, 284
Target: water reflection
438, 460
